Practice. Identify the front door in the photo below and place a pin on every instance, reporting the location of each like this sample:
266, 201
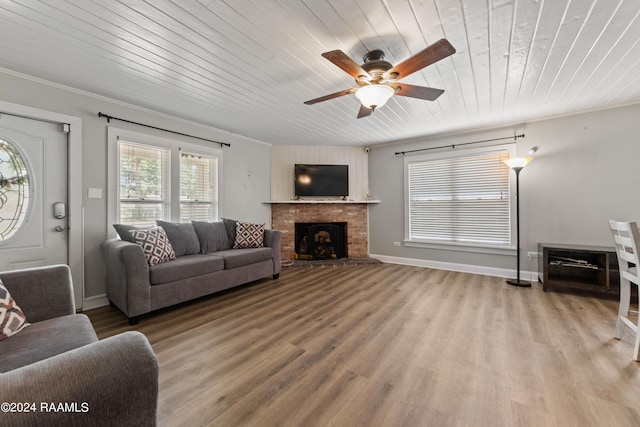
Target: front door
33, 193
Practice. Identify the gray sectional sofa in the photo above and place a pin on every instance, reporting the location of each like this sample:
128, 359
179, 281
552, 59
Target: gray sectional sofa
58, 360
205, 262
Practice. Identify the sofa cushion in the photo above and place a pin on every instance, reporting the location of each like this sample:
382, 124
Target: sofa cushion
212, 235
182, 236
184, 268
249, 235
45, 339
155, 244
12, 319
234, 258
124, 231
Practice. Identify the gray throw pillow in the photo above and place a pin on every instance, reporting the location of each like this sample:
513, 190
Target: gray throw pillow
124, 231
230, 226
213, 236
182, 236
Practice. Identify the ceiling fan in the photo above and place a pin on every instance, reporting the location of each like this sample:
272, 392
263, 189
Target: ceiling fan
378, 79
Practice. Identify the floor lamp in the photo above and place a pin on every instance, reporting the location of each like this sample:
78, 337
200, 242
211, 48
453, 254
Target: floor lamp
517, 164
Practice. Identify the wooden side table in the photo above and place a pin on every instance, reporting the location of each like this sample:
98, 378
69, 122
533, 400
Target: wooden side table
589, 268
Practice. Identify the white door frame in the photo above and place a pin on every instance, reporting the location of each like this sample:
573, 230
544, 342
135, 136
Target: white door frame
75, 208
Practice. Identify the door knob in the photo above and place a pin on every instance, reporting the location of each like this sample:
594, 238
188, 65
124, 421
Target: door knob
60, 228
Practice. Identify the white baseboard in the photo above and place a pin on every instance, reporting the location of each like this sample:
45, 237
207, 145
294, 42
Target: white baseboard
463, 268
95, 302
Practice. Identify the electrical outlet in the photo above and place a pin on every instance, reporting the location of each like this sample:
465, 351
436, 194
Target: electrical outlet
396, 243
532, 254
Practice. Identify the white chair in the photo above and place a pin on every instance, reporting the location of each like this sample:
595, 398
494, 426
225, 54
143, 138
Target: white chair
627, 241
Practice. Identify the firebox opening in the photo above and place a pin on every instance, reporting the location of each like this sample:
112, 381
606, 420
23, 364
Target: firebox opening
325, 240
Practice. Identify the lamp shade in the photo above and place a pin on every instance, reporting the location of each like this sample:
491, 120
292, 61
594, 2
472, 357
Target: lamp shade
518, 162
374, 96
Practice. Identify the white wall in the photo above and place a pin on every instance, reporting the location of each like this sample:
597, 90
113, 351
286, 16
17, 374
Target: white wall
585, 172
246, 164
284, 157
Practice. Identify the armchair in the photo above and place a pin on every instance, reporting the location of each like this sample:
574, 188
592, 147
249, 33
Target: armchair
57, 372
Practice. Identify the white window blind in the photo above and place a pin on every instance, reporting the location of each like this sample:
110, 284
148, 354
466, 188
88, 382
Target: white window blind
144, 172
460, 199
198, 187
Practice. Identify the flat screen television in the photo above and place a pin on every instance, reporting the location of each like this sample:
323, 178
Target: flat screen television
321, 180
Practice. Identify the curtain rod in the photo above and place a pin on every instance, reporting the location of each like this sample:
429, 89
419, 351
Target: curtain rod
453, 146
109, 118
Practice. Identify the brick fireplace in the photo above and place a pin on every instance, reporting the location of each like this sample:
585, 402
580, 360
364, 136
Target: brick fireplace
284, 216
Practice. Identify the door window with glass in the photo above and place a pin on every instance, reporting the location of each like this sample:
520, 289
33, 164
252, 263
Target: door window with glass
14, 190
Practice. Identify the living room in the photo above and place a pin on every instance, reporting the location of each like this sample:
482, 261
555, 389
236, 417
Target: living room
582, 175
565, 196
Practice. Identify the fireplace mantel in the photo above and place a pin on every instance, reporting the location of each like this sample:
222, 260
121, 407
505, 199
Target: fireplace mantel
272, 202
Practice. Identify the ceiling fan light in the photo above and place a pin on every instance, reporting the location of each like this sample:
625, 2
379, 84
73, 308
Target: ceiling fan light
374, 96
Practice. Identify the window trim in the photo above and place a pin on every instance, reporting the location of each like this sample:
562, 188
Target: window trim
508, 149
175, 147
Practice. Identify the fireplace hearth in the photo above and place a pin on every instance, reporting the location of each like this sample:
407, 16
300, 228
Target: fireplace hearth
320, 240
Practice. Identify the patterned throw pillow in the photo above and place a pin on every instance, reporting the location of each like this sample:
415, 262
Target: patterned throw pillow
249, 235
12, 319
155, 244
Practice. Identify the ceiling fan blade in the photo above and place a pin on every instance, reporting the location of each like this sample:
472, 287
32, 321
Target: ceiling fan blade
432, 54
331, 96
420, 92
364, 111
341, 59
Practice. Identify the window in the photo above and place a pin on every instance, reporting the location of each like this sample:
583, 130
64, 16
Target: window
159, 178
198, 188
144, 181
461, 199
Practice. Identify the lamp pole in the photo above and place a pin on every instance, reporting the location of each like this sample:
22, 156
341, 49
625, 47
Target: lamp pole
517, 165
518, 282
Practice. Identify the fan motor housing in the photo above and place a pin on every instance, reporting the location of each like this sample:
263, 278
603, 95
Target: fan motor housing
375, 65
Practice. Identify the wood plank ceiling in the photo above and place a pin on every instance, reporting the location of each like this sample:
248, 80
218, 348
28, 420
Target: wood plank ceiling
246, 66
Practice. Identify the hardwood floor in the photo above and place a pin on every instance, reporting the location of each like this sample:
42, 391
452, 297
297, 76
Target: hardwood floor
389, 345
